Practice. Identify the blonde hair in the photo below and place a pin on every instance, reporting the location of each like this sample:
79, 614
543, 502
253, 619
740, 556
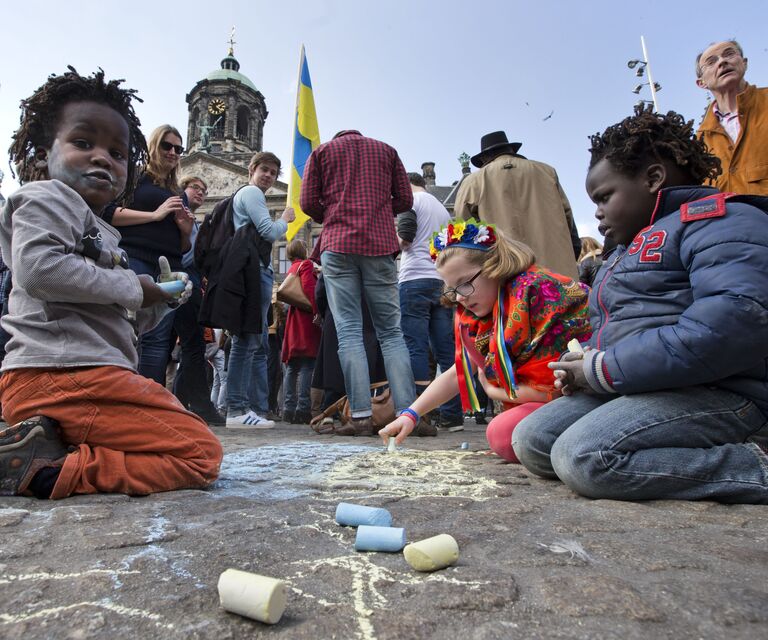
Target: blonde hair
504, 260
296, 250
589, 247
154, 167
187, 180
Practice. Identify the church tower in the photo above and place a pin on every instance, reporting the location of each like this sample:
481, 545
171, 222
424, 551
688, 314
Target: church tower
226, 114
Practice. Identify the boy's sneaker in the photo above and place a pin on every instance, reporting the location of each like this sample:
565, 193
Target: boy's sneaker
25, 449
451, 423
250, 420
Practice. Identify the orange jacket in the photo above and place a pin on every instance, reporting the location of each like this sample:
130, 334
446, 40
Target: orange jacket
745, 163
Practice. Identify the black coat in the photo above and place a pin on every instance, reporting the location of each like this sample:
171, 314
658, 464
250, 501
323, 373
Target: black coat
232, 299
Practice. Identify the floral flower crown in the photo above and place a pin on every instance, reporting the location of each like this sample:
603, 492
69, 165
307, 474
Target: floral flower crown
468, 234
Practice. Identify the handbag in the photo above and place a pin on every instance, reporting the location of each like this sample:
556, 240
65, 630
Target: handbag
291, 292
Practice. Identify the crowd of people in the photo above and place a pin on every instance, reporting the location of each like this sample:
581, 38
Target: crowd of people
634, 369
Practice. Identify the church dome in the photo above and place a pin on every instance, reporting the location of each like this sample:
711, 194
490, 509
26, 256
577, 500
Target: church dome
230, 70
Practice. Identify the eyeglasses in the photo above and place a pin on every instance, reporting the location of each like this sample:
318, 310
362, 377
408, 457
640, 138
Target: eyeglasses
198, 188
167, 146
712, 61
465, 289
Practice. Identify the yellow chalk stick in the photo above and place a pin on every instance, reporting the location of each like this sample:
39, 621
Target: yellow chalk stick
252, 595
433, 553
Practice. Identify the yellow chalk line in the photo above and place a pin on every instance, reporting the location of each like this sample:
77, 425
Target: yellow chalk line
116, 608
365, 576
63, 576
414, 474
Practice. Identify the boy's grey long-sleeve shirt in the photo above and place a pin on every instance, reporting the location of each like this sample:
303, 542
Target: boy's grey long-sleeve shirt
72, 290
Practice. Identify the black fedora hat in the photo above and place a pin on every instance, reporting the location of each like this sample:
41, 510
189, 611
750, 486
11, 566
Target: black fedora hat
491, 142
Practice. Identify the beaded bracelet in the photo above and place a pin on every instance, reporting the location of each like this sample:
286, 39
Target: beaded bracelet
411, 414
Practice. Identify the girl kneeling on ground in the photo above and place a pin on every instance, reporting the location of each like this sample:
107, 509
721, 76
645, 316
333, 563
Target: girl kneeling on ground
512, 319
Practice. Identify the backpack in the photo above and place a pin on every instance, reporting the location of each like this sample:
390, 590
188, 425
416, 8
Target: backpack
217, 227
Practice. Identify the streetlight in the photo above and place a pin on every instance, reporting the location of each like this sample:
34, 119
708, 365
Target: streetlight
643, 66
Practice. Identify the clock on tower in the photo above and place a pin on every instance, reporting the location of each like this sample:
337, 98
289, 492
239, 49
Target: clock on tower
216, 107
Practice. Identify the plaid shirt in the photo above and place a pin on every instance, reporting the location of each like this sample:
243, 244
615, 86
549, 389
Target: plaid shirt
355, 186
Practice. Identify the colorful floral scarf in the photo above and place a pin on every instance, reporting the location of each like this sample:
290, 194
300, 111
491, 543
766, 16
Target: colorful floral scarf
537, 312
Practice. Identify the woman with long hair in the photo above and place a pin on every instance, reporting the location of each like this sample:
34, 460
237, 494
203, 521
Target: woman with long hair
156, 223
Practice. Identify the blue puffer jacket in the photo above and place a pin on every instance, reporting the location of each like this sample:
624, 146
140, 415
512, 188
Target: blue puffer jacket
687, 302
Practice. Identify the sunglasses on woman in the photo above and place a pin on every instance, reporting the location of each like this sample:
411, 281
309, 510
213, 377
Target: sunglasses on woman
167, 146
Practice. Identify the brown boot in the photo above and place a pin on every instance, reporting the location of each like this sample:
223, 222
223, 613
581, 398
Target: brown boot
424, 429
25, 448
357, 427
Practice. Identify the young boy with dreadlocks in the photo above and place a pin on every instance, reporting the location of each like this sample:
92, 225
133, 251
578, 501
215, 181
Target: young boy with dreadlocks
670, 400
84, 420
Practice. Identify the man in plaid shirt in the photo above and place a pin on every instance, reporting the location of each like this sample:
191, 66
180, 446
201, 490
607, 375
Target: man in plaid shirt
354, 186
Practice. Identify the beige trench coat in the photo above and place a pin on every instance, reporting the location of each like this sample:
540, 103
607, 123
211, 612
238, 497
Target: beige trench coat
524, 199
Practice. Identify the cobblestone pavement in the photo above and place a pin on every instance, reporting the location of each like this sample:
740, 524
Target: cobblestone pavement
536, 560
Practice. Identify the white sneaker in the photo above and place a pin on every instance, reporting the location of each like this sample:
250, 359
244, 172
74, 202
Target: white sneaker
250, 420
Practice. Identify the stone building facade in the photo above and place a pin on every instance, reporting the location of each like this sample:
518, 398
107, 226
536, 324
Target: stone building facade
227, 115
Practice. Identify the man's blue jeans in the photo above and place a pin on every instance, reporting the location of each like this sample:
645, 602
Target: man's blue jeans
685, 444
427, 323
154, 345
297, 381
347, 278
247, 381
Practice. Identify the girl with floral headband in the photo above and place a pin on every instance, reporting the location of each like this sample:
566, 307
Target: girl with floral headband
512, 318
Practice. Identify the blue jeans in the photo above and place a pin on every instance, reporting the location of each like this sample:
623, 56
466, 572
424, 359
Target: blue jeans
685, 444
247, 381
347, 278
427, 323
298, 379
154, 345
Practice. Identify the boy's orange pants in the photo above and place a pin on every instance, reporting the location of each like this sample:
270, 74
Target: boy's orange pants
132, 435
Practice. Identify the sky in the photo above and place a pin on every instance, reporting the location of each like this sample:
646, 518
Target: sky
430, 77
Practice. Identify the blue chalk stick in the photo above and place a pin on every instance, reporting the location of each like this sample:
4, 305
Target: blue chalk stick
390, 539
353, 515
174, 286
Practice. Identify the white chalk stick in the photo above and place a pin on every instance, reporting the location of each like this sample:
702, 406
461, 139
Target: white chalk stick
252, 595
574, 346
391, 447
433, 553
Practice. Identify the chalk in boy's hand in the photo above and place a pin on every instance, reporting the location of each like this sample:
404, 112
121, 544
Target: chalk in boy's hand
569, 373
166, 275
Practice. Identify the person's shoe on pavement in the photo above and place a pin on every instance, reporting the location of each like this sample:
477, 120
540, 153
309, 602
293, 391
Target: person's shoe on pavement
31, 456
247, 421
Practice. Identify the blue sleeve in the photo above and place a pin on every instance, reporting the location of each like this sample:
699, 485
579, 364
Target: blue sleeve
725, 329
250, 205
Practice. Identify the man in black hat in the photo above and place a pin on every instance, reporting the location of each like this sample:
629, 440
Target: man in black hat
524, 199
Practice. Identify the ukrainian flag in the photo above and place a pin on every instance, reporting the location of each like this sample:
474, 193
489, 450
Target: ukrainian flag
306, 137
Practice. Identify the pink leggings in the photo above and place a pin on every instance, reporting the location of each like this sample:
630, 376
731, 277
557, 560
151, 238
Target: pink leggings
499, 431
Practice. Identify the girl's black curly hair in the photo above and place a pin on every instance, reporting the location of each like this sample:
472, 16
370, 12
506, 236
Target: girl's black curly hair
649, 136
40, 114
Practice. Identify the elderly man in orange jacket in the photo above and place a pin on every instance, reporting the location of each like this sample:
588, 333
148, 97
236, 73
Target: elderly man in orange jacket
735, 126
